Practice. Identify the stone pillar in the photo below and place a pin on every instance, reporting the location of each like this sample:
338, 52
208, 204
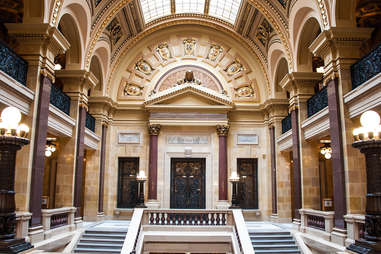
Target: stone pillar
78, 197
222, 132
154, 131
39, 152
273, 171
102, 170
300, 85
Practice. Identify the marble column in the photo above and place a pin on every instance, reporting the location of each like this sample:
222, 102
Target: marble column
297, 182
273, 171
78, 188
339, 195
222, 132
102, 170
153, 130
39, 151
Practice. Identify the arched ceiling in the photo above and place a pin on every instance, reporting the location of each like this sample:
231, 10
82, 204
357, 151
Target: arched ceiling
254, 20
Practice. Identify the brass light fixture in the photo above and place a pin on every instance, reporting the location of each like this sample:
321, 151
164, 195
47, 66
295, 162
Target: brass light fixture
326, 149
50, 147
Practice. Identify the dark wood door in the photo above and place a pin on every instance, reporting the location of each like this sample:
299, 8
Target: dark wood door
127, 185
248, 187
188, 183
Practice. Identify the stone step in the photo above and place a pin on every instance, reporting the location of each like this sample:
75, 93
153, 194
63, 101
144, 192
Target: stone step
103, 235
94, 231
101, 240
100, 245
272, 242
271, 237
278, 251
269, 233
278, 246
92, 250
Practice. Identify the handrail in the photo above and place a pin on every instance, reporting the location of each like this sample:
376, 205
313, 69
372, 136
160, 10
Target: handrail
242, 232
58, 217
366, 68
60, 100
321, 220
13, 64
317, 102
133, 232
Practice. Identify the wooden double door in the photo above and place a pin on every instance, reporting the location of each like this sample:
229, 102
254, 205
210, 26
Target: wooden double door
188, 183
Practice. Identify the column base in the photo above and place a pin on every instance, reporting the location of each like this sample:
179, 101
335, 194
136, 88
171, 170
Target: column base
363, 246
274, 218
339, 236
100, 216
153, 204
78, 222
222, 204
296, 224
14, 245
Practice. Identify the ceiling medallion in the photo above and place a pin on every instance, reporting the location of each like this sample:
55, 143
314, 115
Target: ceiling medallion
132, 90
189, 45
234, 68
214, 52
163, 51
144, 67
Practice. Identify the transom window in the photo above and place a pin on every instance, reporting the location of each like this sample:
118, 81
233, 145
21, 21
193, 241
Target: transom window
190, 6
224, 9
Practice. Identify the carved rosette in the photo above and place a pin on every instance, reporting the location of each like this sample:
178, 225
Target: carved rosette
154, 129
222, 130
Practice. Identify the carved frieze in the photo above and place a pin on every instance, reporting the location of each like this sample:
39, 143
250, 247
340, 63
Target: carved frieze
263, 32
245, 92
163, 51
234, 68
115, 31
144, 67
214, 52
222, 130
132, 90
189, 46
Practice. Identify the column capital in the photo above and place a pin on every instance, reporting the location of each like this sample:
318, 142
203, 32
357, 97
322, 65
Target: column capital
222, 130
154, 129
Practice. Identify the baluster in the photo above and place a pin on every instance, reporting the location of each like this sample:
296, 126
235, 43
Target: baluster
215, 218
209, 219
165, 218
160, 216
225, 218
149, 218
154, 217
220, 215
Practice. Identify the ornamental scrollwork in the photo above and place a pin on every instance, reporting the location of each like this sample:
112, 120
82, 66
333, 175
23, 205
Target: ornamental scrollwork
189, 46
214, 52
154, 129
222, 130
245, 92
144, 67
132, 90
234, 68
163, 51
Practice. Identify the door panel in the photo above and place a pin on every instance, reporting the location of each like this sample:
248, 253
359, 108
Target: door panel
127, 185
248, 187
187, 183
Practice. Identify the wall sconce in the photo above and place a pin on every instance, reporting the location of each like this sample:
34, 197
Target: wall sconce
9, 125
326, 149
50, 147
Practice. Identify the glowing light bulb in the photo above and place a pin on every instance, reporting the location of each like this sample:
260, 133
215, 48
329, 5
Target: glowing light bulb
48, 153
11, 116
370, 120
328, 156
323, 151
22, 130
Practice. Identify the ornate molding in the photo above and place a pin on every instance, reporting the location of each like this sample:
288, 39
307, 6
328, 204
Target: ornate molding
154, 129
222, 130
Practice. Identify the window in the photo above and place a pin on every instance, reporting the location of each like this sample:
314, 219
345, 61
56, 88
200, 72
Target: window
224, 9
190, 6
153, 9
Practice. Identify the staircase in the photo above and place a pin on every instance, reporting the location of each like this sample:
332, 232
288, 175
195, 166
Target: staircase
103, 238
272, 240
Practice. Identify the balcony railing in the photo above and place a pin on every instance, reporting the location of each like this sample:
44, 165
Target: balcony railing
12, 64
315, 219
60, 100
317, 102
90, 122
286, 124
366, 68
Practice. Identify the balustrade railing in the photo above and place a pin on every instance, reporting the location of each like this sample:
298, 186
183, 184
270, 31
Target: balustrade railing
321, 220
59, 217
59, 220
12, 64
366, 68
60, 100
90, 122
182, 218
355, 227
286, 124
317, 102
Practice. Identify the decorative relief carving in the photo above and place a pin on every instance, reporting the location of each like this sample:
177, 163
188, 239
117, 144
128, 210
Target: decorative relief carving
189, 46
234, 68
189, 78
245, 92
132, 90
163, 51
214, 52
154, 129
115, 31
263, 32
144, 67
194, 140
222, 130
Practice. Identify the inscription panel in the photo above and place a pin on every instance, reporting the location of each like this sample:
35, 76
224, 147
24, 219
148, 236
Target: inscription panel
192, 140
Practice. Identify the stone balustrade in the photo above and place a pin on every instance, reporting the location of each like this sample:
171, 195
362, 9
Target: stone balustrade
317, 222
22, 224
58, 220
355, 227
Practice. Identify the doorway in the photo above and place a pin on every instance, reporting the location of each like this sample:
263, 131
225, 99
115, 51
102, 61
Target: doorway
127, 185
248, 170
188, 183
